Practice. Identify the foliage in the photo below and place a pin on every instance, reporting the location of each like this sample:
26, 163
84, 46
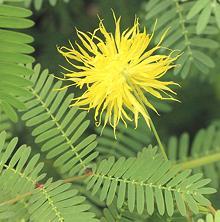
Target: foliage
129, 140
203, 152
13, 51
4, 123
90, 175
204, 9
148, 179
20, 178
38, 4
112, 213
183, 35
211, 218
58, 128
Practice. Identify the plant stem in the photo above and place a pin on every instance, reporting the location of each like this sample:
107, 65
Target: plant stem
151, 122
212, 209
189, 216
17, 198
158, 140
200, 161
75, 178
22, 196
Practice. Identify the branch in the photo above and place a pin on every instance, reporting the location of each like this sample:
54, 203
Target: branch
200, 161
17, 198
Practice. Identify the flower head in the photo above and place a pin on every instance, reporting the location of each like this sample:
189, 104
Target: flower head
118, 70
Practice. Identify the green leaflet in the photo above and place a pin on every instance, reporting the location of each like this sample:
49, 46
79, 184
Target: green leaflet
157, 179
217, 14
13, 11
203, 19
203, 9
15, 37
197, 7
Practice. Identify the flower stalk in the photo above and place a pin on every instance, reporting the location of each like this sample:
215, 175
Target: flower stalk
158, 140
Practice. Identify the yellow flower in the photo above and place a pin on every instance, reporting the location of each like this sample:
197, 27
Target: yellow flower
117, 72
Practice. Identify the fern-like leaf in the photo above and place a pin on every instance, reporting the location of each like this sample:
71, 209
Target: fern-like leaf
23, 196
146, 180
55, 201
203, 154
18, 177
13, 51
182, 35
57, 127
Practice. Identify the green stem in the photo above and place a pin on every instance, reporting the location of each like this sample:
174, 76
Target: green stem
75, 178
151, 122
158, 140
200, 161
16, 199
